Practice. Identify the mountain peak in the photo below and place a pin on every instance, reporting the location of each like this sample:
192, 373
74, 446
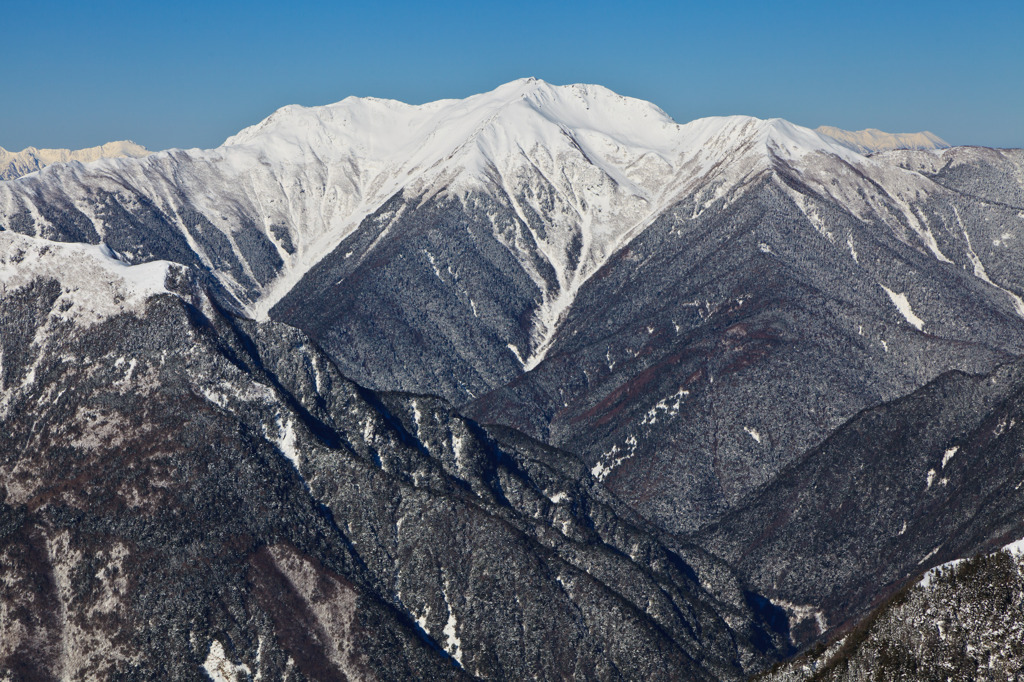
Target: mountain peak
508, 120
776, 134
559, 101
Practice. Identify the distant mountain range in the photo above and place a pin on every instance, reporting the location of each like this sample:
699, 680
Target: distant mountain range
872, 140
715, 339
29, 160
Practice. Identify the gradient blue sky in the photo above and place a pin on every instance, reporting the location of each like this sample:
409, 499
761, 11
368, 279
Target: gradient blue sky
188, 74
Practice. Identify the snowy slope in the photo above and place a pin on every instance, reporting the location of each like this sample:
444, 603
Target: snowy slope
614, 164
95, 282
86, 285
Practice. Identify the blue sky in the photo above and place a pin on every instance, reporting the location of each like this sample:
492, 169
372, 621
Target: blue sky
185, 74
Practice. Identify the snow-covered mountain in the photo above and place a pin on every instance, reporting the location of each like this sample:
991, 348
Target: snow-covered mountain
29, 160
577, 265
308, 176
872, 140
731, 328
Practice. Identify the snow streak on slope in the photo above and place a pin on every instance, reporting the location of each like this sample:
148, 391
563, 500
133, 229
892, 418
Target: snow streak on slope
903, 305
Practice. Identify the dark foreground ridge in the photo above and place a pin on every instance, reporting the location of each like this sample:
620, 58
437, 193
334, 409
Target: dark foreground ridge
153, 525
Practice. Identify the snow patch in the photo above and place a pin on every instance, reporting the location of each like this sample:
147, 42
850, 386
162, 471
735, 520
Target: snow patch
459, 449
519, 357
667, 407
903, 305
601, 470
453, 644
800, 612
929, 555
422, 619
126, 379
286, 442
220, 668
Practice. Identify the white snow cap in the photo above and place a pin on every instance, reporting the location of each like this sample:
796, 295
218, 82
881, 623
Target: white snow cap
618, 161
386, 134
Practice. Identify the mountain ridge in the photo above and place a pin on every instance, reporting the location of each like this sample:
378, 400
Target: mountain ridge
217, 481
369, 179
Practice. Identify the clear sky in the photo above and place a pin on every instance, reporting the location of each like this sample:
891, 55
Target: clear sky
183, 73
